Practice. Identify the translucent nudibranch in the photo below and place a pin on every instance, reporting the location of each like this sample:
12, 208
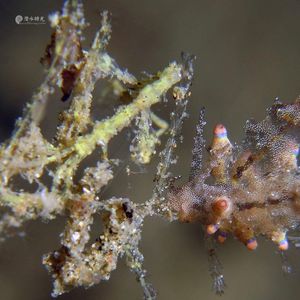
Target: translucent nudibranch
250, 189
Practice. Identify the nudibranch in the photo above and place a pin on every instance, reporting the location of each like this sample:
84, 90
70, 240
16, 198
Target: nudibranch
250, 189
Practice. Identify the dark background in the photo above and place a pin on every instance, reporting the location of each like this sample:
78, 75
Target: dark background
247, 54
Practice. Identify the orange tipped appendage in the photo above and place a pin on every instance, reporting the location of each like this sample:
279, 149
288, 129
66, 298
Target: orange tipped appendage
220, 209
251, 244
220, 152
212, 228
221, 206
246, 235
280, 239
220, 131
283, 245
220, 138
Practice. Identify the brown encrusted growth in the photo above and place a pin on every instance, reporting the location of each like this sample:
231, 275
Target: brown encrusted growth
75, 265
75, 71
47, 59
28, 157
69, 76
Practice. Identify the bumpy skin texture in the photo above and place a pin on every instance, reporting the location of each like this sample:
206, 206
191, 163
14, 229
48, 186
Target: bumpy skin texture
250, 189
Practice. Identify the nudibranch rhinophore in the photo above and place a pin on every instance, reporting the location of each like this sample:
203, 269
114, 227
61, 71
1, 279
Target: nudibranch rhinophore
250, 189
